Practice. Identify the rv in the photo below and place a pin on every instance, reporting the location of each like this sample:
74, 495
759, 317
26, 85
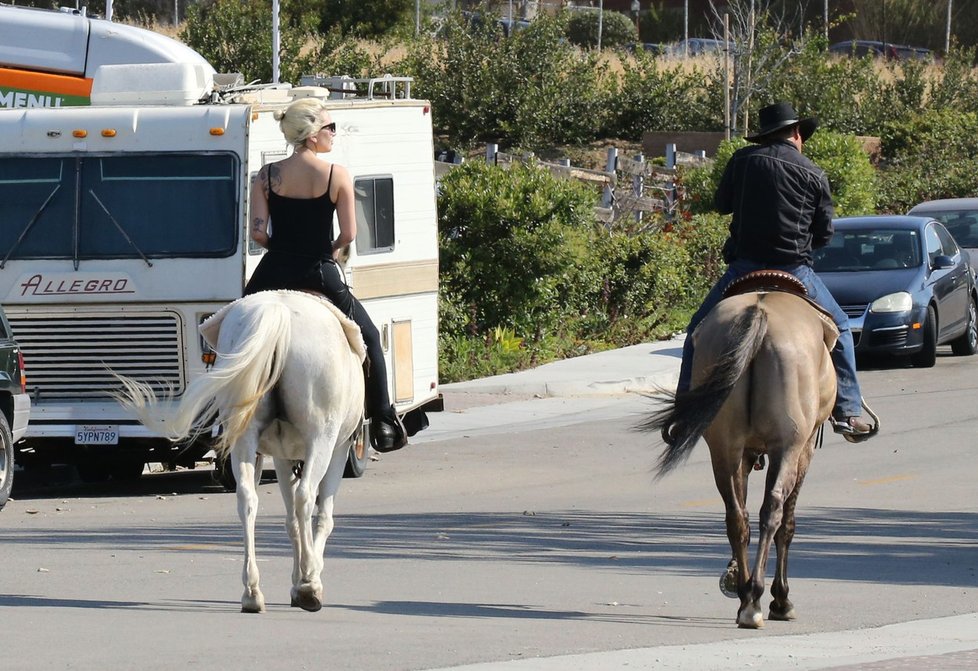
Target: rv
124, 224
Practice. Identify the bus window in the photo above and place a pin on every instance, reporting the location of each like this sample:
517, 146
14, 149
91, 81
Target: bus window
375, 214
119, 206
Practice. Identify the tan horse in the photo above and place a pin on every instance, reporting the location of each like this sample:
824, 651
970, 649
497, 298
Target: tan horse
763, 384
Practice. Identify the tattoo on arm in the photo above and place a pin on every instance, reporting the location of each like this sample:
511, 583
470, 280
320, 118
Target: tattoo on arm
259, 225
274, 178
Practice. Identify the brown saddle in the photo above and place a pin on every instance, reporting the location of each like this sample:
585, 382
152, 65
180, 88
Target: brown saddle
766, 280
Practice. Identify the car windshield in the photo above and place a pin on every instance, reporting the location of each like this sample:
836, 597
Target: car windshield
876, 249
962, 224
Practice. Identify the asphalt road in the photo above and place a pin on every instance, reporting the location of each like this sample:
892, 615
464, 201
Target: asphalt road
534, 544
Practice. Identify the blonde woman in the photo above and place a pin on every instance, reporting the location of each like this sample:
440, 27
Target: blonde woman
300, 194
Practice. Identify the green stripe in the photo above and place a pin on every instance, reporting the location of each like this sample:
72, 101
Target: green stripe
9, 98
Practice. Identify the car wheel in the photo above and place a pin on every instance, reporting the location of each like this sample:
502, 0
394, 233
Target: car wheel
927, 356
967, 343
359, 456
6, 461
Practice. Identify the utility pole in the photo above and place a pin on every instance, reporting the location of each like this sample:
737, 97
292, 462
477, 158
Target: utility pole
947, 34
600, 21
275, 42
686, 29
825, 19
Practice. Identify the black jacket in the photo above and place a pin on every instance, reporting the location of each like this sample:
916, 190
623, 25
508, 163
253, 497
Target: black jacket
781, 205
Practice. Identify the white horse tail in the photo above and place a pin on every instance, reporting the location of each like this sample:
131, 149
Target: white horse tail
248, 367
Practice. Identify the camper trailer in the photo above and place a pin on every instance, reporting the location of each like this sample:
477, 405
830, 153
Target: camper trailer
124, 224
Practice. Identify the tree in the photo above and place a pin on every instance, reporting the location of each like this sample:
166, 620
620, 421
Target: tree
760, 43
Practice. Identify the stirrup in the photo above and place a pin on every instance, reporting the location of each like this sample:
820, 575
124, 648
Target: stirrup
840, 427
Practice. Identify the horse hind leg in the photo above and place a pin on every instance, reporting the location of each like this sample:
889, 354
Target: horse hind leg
781, 606
307, 593
243, 457
780, 480
287, 484
732, 485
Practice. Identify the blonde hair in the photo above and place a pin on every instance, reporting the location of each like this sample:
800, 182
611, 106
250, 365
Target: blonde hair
300, 120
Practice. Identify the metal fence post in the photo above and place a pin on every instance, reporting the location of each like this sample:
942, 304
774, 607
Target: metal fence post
638, 184
610, 166
671, 190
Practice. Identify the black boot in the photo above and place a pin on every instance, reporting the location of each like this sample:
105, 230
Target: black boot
387, 433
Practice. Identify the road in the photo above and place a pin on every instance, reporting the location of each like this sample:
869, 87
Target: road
539, 533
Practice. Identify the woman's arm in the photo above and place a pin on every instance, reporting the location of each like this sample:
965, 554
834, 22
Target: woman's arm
259, 207
344, 199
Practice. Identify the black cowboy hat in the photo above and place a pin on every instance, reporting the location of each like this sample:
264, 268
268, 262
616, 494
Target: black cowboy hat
781, 115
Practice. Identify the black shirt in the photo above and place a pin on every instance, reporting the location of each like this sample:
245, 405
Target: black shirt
781, 205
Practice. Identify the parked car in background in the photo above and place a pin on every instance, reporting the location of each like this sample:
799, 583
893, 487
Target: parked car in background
960, 218
905, 284
653, 48
15, 405
697, 46
860, 48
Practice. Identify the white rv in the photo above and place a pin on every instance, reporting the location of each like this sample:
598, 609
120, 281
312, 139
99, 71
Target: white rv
124, 224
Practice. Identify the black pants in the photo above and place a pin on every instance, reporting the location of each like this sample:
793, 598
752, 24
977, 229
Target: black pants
326, 277
334, 286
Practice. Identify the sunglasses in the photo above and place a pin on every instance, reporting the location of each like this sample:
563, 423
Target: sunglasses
331, 127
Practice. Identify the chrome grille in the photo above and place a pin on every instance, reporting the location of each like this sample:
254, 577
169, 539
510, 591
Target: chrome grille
71, 355
854, 310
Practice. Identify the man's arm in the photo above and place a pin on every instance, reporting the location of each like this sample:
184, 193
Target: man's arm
723, 199
822, 228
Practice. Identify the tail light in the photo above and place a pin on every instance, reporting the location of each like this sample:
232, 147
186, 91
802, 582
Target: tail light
23, 372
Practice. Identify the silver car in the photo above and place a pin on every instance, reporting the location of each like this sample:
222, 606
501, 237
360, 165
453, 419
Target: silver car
960, 218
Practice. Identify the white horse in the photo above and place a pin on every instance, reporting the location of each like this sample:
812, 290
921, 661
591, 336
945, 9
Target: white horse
288, 383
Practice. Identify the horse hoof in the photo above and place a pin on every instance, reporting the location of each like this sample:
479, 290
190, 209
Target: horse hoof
307, 602
782, 615
252, 608
750, 620
728, 581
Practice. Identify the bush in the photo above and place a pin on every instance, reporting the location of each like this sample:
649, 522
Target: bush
846, 164
616, 29
513, 246
655, 96
531, 90
236, 36
931, 155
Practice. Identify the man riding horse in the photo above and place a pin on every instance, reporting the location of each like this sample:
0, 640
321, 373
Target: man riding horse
782, 210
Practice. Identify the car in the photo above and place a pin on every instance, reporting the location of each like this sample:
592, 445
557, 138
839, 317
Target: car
696, 46
653, 48
14, 403
860, 48
905, 284
960, 218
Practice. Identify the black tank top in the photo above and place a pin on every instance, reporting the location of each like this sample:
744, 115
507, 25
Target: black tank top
302, 226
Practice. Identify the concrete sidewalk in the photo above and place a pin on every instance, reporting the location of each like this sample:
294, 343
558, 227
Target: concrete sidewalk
636, 369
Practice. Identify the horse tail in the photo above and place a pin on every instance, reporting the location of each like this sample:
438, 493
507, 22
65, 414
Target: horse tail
249, 369
687, 415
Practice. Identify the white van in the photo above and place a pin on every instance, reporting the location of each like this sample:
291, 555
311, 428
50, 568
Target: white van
124, 224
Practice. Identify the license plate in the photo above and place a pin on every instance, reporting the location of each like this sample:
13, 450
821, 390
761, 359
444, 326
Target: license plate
97, 434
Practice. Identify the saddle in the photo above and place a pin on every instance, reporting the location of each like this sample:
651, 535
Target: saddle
766, 280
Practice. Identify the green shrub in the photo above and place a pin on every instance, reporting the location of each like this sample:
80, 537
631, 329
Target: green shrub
930, 155
513, 245
530, 90
616, 29
653, 95
236, 36
847, 165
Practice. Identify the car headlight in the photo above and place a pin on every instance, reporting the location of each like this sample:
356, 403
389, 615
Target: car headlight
898, 302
